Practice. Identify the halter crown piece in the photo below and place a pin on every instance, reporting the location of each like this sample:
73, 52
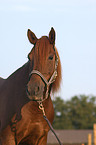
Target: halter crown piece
50, 81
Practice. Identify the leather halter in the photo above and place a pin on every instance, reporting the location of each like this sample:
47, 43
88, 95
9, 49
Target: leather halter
50, 81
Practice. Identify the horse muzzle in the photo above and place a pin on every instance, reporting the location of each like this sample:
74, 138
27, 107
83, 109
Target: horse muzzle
35, 91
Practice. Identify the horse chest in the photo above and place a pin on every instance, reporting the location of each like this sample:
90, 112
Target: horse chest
32, 122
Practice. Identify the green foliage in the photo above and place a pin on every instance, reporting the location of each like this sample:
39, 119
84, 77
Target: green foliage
77, 113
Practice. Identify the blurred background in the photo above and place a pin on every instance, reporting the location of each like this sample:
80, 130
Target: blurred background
75, 24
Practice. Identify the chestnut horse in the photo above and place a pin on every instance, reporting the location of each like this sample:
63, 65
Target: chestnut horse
23, 91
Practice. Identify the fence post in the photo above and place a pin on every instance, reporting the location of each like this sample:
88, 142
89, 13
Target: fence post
89, 139
94, 131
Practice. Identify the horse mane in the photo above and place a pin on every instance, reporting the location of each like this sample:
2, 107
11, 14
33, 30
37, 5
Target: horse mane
56, 84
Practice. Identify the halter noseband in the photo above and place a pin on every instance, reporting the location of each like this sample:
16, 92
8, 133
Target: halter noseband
50, 81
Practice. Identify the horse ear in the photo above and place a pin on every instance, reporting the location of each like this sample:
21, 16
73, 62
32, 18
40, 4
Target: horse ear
52, 36
31, 36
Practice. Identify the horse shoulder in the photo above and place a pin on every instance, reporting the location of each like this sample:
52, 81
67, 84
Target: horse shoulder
33, 123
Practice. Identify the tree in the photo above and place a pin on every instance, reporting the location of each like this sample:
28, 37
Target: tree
77, 113
61, 120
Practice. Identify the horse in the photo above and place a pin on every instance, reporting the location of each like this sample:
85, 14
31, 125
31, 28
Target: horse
22, 93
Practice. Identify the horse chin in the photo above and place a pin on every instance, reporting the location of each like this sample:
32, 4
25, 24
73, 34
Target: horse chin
36, 98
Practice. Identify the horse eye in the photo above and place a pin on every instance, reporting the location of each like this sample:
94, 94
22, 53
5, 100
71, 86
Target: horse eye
51, 57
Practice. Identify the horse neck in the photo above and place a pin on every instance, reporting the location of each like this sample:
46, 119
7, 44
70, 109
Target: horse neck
21, 76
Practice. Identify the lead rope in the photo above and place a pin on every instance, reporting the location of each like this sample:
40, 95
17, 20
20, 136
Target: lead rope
41, 107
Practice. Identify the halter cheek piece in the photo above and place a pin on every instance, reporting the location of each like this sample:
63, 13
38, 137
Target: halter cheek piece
50, 81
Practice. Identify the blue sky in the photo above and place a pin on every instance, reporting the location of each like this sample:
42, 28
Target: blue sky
75, 24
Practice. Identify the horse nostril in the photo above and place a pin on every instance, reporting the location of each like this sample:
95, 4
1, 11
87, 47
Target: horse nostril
37, 89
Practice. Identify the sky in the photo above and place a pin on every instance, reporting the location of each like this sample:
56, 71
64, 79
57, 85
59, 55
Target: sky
75, 24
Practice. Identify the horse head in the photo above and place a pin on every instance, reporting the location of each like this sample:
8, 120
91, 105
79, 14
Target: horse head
45, 67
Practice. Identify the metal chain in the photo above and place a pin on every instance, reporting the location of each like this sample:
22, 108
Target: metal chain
41, 107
